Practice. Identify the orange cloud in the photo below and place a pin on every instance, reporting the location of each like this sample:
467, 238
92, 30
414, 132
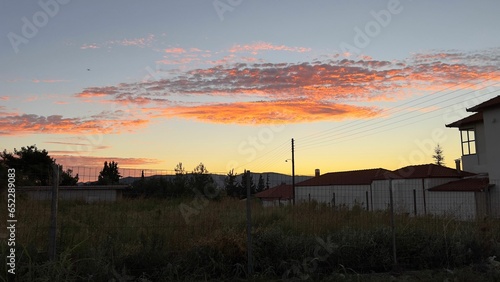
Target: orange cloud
299, 92
74, 161
103, 123
271, 112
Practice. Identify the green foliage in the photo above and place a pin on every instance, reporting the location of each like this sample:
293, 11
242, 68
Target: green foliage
109, 175
34, 167
148, 240
243, 188
181, 185
67, 178
438, 155
231, 185
260, 185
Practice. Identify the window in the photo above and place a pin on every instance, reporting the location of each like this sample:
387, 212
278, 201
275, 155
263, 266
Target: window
468, 137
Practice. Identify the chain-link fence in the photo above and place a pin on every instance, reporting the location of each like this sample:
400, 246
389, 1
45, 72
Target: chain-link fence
173, 225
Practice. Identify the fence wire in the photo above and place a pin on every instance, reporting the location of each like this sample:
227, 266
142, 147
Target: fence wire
165, 225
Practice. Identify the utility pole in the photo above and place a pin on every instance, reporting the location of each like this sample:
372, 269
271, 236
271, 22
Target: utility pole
293, 172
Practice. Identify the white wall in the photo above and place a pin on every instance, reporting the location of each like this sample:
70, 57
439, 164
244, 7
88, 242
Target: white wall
460, 205
347, 195
275, 203
477, 163
82, 194
491, 119
405, 201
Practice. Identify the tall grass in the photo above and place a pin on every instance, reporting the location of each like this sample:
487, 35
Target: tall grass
149, 239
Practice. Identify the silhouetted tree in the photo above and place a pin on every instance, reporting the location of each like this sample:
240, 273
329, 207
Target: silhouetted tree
231, 185
243, 183
34, 167
260, 185
438, 155
180, 185
267, 181
202, 180
109, 174
67, 178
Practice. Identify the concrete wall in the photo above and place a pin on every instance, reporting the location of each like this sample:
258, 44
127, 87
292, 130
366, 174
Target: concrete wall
459, 205
88, 194
335, 195
275, 203
404, 197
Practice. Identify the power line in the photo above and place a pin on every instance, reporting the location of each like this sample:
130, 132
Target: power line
328, 132
320, 144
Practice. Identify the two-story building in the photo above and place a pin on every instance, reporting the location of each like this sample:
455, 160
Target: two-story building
480, 139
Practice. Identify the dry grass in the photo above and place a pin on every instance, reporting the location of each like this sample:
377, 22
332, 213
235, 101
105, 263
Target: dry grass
152, 236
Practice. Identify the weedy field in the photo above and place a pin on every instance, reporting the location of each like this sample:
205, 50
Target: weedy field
151, 240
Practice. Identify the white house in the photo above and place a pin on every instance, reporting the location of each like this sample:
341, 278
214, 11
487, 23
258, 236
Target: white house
410, 187
416, 190
480, 139
467, 198
345, 188
276, 196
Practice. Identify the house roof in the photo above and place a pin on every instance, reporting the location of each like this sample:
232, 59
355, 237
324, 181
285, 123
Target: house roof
464, 185
425, 171
354, 177
494, 102
475, 118
282, 191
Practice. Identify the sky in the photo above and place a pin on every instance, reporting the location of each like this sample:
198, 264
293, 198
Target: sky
229, 83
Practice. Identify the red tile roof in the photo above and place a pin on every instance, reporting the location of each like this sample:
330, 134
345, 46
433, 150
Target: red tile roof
425, 171
282, 191
464, 185
495, 102
475, 118
354, 177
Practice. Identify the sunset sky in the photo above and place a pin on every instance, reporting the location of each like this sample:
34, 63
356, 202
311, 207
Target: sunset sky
149, 84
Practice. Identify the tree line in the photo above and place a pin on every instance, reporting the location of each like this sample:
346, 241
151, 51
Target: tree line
34, 167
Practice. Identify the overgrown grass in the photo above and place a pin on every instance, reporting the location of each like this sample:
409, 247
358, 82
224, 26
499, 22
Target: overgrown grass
150, 240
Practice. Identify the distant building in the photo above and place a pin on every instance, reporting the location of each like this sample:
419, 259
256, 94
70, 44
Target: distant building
427, 189
480, 139
276, 196
88, 194
345, 188
412, 188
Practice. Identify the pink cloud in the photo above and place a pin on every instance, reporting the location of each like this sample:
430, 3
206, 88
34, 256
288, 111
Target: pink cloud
254, 48
103, 123
175, 51
140, 42
48, 80
78, 161
334, 85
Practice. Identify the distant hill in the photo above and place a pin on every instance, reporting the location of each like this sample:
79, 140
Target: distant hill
274, 178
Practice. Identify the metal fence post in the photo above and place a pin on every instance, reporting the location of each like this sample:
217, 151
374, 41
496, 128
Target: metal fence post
53, 213
393, 226
249, 225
